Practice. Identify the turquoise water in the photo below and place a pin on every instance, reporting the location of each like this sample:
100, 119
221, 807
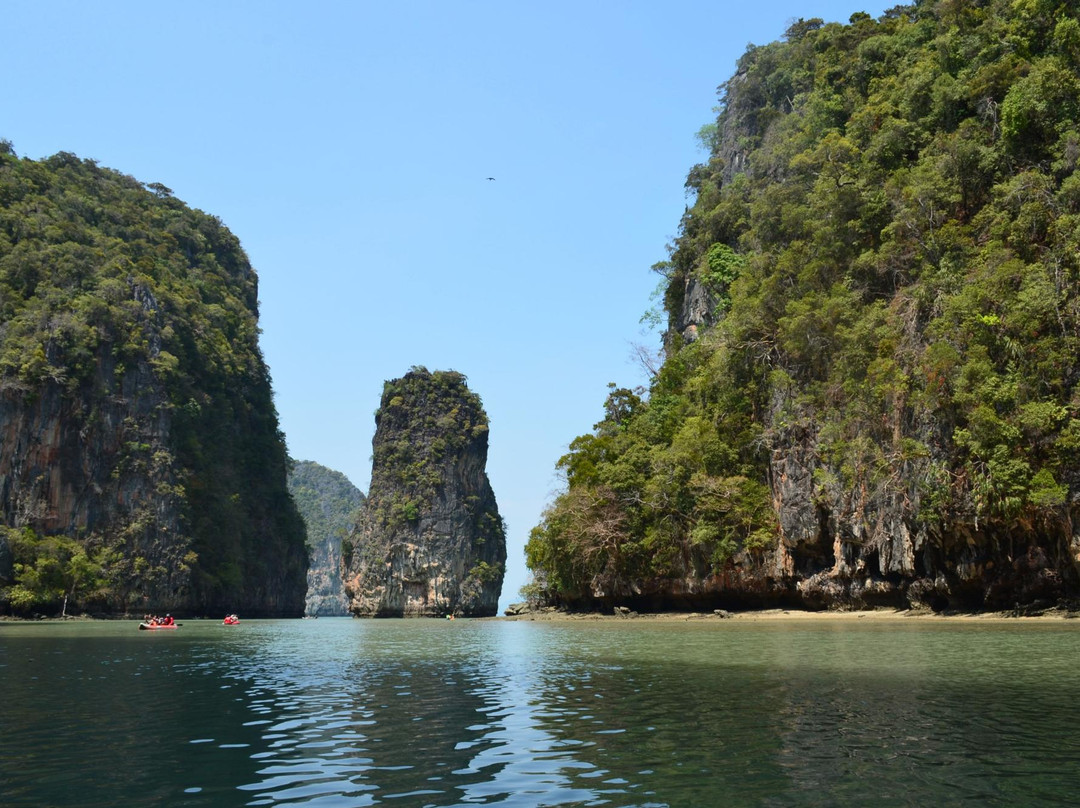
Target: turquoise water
341, 712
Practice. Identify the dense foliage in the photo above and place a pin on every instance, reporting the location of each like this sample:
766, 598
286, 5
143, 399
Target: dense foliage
139, 316
887, 237
56, 569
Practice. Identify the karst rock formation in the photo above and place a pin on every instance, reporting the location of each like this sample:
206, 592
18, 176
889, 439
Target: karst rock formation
429, 541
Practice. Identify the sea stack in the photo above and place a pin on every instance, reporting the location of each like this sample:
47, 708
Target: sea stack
429, 541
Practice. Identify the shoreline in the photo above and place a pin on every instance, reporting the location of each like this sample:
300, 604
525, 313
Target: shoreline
554, 615
1055, 614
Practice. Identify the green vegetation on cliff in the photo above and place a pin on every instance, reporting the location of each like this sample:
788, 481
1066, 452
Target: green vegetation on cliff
878, 276
425, 416
129, 351
430, 540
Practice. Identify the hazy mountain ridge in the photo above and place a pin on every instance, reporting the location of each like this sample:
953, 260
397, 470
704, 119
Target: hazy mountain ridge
330, 505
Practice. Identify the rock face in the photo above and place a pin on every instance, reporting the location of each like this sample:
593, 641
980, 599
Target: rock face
430, 541
330, 506
870, 544
136, 414
695, 313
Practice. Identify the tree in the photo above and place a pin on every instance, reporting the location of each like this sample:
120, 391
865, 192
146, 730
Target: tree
55, 569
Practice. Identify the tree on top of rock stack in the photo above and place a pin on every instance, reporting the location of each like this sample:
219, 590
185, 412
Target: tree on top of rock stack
430, 540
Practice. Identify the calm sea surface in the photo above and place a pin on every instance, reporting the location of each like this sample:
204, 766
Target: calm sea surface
341, 712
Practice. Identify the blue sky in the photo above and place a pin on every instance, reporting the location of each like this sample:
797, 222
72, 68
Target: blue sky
347, 145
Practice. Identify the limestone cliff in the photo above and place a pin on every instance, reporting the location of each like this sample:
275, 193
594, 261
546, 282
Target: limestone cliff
430, 540
136, 417
870, 392
329, 504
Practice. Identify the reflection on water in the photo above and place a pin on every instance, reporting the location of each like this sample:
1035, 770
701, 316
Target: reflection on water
339, 712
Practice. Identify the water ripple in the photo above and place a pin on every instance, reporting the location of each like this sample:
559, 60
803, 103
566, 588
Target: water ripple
348, 713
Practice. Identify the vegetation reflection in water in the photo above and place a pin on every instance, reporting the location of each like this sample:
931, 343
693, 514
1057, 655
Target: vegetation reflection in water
339, 712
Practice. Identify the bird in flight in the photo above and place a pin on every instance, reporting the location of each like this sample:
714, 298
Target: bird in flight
492, 179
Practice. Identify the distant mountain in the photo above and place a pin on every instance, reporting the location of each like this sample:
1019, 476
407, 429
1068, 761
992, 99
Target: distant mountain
870, 389
329, 504
141, 464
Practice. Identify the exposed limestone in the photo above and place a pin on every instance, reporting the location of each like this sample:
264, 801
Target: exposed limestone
696, 311
430, 541
872, 543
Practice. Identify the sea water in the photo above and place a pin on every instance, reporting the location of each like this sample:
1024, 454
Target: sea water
341, 712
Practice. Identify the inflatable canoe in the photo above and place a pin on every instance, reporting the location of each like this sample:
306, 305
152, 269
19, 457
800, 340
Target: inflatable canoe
148, 627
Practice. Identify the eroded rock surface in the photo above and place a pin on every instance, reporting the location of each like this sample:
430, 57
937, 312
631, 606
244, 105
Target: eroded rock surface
430, 541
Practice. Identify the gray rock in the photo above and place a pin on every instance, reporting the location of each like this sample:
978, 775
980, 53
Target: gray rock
429, 541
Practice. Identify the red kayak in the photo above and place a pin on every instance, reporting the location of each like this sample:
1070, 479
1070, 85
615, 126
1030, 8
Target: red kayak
149, 627
228, 622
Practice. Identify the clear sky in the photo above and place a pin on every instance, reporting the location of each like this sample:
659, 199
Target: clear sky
348, 146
